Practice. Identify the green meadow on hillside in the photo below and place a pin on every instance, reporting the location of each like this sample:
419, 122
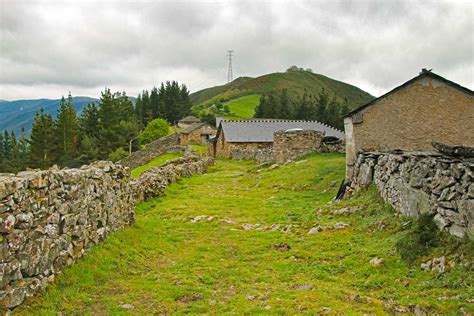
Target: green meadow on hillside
295, 82
243, 107
235, 241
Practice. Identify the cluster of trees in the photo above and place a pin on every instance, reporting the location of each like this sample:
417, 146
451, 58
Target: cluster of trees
102, 131
170, 101
13, 151
320, 108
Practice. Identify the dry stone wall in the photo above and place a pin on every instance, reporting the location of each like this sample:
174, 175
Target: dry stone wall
153, 182
48, 219
415, 183
160, 146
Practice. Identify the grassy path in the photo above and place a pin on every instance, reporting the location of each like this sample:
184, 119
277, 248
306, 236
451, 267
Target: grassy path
167, 264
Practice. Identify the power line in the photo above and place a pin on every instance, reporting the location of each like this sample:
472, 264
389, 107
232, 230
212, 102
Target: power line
230, 76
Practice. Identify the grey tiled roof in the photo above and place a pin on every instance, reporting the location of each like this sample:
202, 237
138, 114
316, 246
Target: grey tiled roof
261, 130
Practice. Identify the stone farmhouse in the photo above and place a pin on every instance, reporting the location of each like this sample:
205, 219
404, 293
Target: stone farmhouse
254, 139
188, 121
398, 142
424, 109
196, 133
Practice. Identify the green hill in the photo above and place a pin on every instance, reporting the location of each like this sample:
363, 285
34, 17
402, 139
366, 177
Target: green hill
206, 94
296, 82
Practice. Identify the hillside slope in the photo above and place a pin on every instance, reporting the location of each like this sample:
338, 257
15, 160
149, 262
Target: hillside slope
296, 82
206, 94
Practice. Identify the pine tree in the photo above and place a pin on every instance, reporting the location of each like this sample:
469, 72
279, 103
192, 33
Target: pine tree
42, 141
303, 108
89, 120
7, 146
284, 106
260, 109
23, 150
321, 107
271, 109
332, 112
2, 155
67, 131
154, 105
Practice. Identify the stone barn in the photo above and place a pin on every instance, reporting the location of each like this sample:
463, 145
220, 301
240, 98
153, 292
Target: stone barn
188, 121
408, 118
197, 133
254, 139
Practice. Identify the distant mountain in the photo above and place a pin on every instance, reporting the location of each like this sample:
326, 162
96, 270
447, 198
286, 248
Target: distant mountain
296, 82
21, 113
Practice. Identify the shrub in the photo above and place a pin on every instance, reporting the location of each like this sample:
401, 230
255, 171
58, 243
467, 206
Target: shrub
155, 129
419, 240
117, 154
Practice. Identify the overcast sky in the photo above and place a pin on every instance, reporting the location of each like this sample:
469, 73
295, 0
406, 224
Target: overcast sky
48, 48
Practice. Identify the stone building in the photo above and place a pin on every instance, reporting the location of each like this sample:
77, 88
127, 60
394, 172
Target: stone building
188, 121
254, 139
197, 133
424, 109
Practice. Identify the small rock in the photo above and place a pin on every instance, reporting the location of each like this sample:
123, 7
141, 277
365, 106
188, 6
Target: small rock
250, 297
275, 227
274, 166
129, 307
426, 266
248, 226
315, 230
229, 221
283, 246
199, 218
341, 225
418, 311
286, 229
303, 287
268, 307
439, 264
326, 309
377, 262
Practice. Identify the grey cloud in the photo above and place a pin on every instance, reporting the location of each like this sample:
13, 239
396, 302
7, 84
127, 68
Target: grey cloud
50, 47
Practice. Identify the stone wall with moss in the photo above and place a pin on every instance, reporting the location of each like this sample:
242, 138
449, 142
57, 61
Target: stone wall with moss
50, 218
422, 182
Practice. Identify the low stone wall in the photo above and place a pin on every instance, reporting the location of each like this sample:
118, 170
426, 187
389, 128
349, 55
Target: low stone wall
49, 218
416, 183
287, 145
153, 182
160, 146
261, 152
291, 144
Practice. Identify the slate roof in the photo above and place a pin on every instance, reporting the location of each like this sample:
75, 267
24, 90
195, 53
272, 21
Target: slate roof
192, 127
423, 73
261, 130
190, 119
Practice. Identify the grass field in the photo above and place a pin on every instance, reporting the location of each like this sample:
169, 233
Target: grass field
167, 264
158, 161
243, 107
